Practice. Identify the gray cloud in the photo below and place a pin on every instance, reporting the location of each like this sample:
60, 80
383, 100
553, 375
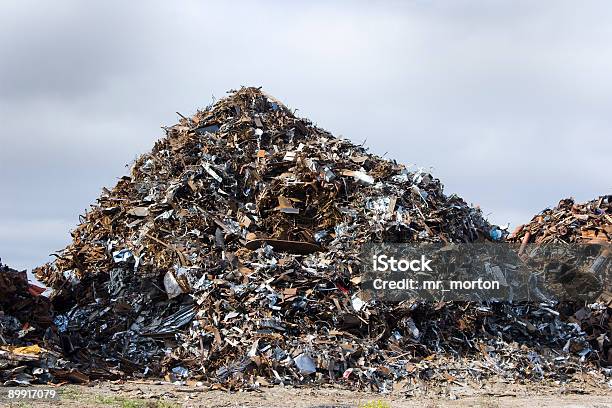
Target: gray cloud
506, 101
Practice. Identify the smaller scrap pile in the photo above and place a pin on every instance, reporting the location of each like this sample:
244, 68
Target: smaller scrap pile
570, 223
31, 351
24, 314
24, 318
587, 227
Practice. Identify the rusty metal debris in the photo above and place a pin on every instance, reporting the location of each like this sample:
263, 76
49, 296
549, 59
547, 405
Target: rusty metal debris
24, 314
230, 256
590, 225
569, 222
30, 350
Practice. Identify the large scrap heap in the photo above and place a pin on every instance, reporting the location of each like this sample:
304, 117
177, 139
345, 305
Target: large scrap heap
230, 255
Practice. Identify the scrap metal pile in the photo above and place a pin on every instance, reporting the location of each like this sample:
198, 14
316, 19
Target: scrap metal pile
29, 351
587, 227
230, 256
19, 298
570, 222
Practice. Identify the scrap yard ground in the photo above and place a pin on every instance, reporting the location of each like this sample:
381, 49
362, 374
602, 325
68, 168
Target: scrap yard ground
135, 395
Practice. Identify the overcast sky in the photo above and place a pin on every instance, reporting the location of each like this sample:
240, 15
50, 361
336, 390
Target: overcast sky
508, 102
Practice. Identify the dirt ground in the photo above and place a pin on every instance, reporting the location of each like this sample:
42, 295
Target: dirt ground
496, 395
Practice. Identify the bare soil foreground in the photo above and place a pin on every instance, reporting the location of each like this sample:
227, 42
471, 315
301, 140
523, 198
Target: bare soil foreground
145, 395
